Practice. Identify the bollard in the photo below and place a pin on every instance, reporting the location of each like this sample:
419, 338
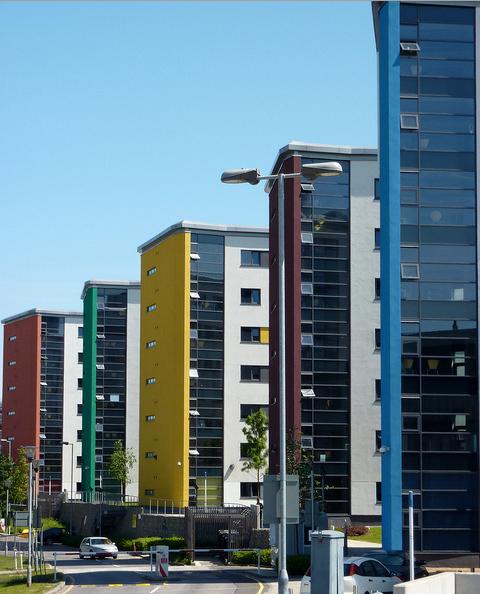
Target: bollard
54, 566
150, 507
151, 560
258, 561
165, 506
157, 507
327, 562
15, 559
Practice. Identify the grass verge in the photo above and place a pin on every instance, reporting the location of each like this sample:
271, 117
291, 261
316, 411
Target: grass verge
374, 534
18, 584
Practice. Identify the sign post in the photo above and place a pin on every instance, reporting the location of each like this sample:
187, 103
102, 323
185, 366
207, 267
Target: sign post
161, 561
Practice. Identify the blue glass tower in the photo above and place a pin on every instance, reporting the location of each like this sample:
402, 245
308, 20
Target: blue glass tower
429, 293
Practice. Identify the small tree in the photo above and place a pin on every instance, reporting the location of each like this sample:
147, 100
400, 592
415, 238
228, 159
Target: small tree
255, 430
121, 463
6, 472
19, 477
300, 462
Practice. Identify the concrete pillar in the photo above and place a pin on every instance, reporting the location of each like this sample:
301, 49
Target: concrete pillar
327, 562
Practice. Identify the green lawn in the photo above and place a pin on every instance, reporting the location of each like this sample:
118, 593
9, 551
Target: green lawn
7, 562
11, 584
374, 534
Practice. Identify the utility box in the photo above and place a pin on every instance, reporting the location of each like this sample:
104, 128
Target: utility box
271, 499
327, 563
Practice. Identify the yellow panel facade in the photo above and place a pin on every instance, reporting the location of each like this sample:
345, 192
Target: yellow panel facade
164, 370
264, 335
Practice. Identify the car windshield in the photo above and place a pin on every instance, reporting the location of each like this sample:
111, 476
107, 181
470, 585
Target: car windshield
388, 559
101, 541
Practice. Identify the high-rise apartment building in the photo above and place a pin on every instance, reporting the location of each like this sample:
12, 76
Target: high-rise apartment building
42, 375
428, 90
110, 381
332, 323
204, 361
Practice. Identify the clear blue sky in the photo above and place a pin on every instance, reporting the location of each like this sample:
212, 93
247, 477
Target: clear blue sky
116, 120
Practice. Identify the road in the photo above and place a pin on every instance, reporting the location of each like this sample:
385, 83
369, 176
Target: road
132, 575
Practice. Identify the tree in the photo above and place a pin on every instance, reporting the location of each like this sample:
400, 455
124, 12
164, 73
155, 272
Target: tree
300, 462
19, 477
6, 472
121, 463
255, 430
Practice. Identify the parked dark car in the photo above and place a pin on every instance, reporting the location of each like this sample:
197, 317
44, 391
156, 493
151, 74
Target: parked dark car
52, 535
398, 562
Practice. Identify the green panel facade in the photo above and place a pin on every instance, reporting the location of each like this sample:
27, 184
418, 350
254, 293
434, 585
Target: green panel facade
89, 389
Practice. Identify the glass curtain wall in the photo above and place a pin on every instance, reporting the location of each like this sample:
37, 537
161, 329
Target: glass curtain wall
111, 382
51, 403
325, 287
206, 369
438, 275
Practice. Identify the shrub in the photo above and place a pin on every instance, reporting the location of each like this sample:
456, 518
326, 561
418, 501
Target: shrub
353, 530
72, 540
298, 564
51, 523
144, 543
251, 558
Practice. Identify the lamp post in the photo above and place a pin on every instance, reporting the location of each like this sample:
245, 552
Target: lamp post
30, 454
68, 443
252, 176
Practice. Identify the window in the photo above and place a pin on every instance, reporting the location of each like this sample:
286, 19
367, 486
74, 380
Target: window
377, 239
79, 383
307, 339
250, 334
79, 409
150, 380
98, 427
114, 397
194, 256
150, 492
11, 413
100, 366
306, 442
151, 455
306, 288
193, 333
12, 388
152, 307
378, 492
409, 47
79, 435
80, 358
409, 121
194, 373
151, 271
378, 389
254, 373
149, 418
12, 338
151, 344
411, 422
12, 363
244, 450
98, 458
80, 332
409, 271
376, 194
307, 393
377, 288
307, 237
378, 440
256, 259
377, 338
79, 461
248, 409
194, 295
250, 297
307, 187
250, 490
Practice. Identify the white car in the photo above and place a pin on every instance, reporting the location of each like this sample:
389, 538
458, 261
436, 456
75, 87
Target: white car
362, 576
97, 546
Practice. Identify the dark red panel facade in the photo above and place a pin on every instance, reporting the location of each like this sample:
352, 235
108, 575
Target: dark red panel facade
293, 309
24, 376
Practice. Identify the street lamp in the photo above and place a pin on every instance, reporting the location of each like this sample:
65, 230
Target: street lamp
252, 176
9, 441
68, 443
30, 455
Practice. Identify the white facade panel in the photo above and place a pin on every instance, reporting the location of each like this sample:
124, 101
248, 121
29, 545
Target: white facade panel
72, 397
364, 358
133, 384
237, 353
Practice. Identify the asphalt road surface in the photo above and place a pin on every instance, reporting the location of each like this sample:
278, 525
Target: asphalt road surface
128, 574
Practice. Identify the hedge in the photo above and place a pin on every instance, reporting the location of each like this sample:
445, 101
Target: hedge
251, 558
298, 564
144, 544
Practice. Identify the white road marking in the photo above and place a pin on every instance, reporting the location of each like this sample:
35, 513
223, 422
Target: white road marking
154, 589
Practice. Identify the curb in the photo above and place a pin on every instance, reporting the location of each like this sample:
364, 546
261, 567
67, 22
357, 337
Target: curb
60, 586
